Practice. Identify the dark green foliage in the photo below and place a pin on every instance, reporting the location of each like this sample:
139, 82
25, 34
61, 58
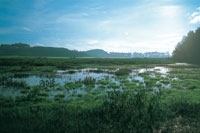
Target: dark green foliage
188, 50
72, 85
133, 112
122, 112
16, 45
186, 116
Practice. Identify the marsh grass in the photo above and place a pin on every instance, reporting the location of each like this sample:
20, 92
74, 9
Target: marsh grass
122, 72
117, 103
10, 82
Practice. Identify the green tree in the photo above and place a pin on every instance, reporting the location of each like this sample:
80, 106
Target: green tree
188, 50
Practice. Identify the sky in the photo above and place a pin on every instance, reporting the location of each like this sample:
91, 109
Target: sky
111, 25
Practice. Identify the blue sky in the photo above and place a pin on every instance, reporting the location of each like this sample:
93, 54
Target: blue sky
112, 25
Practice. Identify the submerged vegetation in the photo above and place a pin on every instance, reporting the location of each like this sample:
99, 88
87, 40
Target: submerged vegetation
80, 95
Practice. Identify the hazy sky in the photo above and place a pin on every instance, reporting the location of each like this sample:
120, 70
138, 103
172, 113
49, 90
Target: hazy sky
112, 25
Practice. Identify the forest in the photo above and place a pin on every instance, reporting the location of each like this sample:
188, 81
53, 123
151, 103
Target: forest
188, 50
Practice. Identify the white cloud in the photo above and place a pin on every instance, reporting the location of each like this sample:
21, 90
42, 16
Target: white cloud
129, 29
93, 41
27, 29
195, 20
195, 14
195, 17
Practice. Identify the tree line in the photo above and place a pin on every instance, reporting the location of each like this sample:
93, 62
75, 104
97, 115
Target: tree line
188, 50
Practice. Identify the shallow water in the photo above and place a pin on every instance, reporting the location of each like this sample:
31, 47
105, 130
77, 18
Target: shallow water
9, 92
61, 77
161, 70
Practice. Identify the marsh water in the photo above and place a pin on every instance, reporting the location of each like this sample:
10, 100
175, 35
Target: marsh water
82, 79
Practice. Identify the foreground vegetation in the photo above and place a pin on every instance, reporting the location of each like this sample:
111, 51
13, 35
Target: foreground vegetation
130, 106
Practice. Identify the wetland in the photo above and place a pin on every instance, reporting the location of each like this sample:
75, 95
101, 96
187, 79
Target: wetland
147, 94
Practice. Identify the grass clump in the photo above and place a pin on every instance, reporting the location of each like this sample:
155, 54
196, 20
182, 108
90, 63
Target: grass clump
122, 72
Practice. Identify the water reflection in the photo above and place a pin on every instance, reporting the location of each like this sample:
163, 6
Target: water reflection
61, 77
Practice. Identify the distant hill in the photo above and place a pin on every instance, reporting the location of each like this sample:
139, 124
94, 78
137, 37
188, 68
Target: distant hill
23, 49
97, 53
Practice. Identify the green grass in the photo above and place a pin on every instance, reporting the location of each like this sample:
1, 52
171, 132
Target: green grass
103, 109
49, 64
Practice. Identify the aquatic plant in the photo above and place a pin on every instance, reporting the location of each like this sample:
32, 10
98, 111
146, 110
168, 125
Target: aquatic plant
71, 85
10, 82
112, 85
89, 87
59, 87
122, 72
150, 83
103, 82
89, 80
